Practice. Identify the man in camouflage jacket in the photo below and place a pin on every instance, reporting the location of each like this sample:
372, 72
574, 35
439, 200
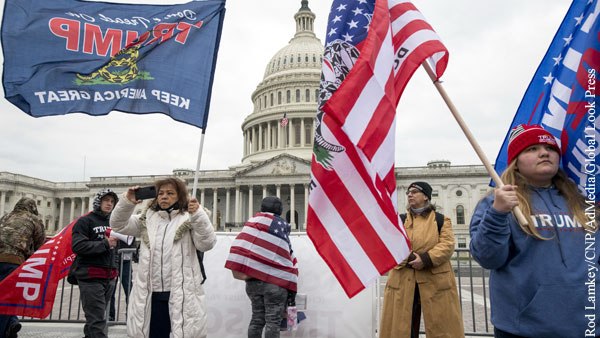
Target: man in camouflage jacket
21, 234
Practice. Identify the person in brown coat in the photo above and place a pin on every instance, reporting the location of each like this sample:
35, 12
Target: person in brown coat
425, 280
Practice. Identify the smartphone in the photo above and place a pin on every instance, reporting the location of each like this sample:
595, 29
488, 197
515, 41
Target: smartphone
144, 193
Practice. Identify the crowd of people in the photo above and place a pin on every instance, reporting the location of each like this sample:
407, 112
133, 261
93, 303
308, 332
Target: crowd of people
539, 270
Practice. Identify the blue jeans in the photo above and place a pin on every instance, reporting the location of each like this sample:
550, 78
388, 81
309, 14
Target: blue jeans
268, 302
7, 320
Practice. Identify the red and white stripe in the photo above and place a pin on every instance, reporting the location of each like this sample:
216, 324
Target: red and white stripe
353, 214
262, 255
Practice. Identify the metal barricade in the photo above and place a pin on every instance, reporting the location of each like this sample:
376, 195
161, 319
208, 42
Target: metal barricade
472, 282
67, 304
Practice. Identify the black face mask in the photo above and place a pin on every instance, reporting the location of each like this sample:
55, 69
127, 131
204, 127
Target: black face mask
171, 208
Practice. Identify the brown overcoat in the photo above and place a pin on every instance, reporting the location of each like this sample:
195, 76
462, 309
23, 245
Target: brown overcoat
437, 286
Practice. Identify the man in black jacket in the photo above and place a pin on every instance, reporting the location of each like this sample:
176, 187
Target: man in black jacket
96, 270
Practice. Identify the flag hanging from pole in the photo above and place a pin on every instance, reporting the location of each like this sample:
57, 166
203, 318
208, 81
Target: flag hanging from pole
98, 57
371, 51
284, 120
562, 95
30, 289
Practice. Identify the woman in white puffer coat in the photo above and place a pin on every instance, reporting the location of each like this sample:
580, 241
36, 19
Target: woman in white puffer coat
167, 297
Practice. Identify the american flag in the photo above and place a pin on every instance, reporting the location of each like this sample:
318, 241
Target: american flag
371, 51
284, 120
263, 251
562, 95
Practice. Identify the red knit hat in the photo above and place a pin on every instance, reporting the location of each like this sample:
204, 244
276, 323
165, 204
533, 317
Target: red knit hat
523, 136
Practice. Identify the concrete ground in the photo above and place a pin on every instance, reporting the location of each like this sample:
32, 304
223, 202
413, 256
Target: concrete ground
64, 330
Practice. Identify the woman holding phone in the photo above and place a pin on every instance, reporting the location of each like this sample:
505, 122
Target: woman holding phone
167, 297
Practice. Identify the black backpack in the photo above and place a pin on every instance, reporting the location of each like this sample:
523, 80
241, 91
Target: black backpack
200, 255
439, 219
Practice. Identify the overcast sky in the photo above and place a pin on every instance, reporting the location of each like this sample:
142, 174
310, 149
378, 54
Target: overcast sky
495, 48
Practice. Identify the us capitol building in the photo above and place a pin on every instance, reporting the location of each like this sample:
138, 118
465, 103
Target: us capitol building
276, 160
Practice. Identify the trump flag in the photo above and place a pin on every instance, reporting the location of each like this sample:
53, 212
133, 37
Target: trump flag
372, 49
562, 96
30, 289
70, 56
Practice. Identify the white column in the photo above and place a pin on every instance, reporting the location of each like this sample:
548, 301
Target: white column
292, 209
260, 138
2, 197
202, 197
264, 191
248, 142
72, 210
290, 128
215, 201
82, 205
302, 133
237, 205
227, 196
91, 203
250, 201
279, 136
305, 204
399, 198
269, 145
278, 190
245, 150
254, 144
60, 215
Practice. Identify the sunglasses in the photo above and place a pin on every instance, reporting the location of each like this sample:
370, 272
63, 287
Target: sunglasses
412, 191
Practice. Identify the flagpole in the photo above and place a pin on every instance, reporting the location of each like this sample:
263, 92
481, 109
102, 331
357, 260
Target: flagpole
198, 163
486, 163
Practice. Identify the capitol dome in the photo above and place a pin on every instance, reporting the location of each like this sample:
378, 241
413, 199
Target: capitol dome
290, 86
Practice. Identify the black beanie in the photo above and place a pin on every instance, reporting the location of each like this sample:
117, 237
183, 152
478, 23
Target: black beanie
424, 187
271, 204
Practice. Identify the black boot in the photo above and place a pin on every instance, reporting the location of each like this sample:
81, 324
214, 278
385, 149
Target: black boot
11, 331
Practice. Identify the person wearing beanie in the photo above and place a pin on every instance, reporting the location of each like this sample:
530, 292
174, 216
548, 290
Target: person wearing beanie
425, 280
167, 299
539, 278
270, 272
94, 267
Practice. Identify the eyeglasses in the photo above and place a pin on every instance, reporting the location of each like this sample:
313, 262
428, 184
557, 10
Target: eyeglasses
412, 191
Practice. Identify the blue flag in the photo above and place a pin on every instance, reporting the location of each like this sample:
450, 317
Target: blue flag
562, 96
70, 56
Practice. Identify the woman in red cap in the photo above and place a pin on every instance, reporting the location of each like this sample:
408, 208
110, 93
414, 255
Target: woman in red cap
539, 271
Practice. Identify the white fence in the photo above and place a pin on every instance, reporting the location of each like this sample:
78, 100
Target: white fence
329, 312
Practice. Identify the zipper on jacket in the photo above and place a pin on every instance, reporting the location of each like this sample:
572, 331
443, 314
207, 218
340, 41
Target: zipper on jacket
162, 248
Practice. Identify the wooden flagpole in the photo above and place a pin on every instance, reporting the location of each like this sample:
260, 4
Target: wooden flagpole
198, 164
486, 163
